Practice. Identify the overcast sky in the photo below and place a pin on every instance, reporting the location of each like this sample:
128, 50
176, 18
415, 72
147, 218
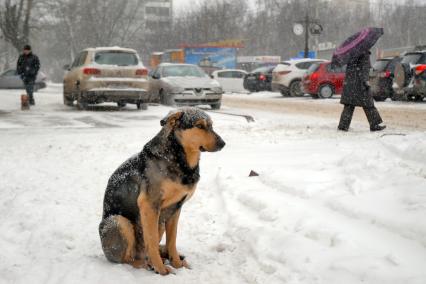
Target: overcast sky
182, 4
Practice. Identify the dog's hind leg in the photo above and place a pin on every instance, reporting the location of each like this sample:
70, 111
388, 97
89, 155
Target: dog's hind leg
118, 240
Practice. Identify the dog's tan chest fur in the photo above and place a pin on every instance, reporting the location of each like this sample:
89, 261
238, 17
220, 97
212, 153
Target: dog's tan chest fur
173, 192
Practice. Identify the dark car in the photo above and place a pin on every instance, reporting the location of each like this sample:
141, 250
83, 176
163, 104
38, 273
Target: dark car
259, 79
10, 80
409, 74
323, 80
419, 82
381, 78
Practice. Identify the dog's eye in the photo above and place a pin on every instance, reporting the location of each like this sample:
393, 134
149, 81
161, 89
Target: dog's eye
200, 126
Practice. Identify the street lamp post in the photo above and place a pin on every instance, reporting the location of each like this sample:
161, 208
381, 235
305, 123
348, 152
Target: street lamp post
307, 26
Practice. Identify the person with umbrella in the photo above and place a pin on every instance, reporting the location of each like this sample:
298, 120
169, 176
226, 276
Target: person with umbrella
355, 53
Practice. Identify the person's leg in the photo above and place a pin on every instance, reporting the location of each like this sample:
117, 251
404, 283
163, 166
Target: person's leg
346, 117
29, 87
373, 117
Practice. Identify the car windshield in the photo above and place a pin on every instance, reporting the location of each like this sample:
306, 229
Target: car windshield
411, 58
183, 71
116, 58
381, 65
262, 70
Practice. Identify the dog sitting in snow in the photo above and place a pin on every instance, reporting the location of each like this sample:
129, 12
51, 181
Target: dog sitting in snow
145, 194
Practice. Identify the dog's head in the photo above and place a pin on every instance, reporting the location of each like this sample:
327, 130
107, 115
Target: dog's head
193, 128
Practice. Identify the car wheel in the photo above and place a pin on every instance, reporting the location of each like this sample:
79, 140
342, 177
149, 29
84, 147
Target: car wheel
165, 99
418, 98
142, 106
67, 100
285, 93
296, 89
121, 104
411, 98
326, 91
380, 99
216, 106
81, 102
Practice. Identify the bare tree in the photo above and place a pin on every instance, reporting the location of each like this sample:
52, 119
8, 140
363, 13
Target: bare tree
15, 22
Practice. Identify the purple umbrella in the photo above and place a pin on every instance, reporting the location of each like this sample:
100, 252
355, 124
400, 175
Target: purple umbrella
356, 45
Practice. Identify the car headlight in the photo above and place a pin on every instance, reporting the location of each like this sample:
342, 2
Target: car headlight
217, 89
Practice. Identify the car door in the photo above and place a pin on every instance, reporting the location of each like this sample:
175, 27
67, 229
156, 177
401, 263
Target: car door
225, 80
154, 81
340, 73
73, 75
331, 75
238, 81
10, 80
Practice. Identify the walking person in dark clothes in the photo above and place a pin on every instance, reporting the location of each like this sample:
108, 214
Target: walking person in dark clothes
27, 68
356, 92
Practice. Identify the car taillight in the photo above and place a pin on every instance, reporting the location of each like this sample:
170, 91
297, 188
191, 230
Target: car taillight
314, 76
420, 69
262, 77
91, 71
142, 72
283, 72
385, 74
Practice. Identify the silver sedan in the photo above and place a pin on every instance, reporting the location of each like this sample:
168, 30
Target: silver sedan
184, 84
10, 80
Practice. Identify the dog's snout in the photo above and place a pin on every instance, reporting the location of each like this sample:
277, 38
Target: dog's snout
220, 143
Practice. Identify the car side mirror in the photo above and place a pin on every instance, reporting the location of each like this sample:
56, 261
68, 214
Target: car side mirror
211, 76
155, 76
67, 67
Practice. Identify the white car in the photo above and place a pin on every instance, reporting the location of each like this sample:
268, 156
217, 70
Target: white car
231, 80
287, 76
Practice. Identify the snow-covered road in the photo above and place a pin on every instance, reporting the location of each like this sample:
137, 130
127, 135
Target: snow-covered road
328, 207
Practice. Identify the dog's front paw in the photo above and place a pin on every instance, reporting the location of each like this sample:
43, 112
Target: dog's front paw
164, 270
179, 263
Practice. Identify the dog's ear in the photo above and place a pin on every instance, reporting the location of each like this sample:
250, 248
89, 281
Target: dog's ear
171, 119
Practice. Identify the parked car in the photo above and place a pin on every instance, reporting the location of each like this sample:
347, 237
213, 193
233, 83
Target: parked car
419, 83
10, 80
323, 80
381, 78
287, 76
231, 80
408, 81
184, 84
259, 79
106, 74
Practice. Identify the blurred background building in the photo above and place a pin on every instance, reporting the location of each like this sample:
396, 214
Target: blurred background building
158, 15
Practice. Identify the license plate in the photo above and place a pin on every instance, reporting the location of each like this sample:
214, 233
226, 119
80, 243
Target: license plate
118, 86
251, 77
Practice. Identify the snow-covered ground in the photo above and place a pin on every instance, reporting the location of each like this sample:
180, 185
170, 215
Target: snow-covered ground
328, 207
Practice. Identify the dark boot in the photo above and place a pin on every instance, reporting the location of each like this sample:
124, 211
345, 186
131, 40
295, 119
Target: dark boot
32, 101
377, 128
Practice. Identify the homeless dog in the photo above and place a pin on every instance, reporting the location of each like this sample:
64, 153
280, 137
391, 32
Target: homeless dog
144, 196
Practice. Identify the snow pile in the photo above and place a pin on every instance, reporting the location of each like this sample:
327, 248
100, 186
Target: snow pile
328, 207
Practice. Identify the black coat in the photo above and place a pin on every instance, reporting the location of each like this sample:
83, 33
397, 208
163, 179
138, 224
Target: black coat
356, 91
28, 67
